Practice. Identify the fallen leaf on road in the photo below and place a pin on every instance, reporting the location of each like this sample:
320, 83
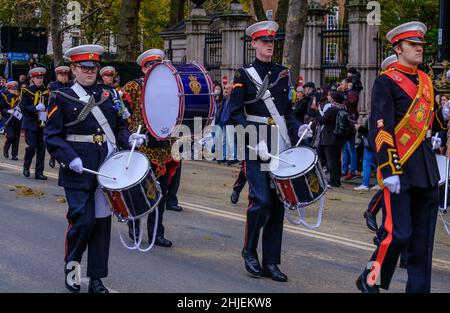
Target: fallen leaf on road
61, 200
22, 190
334, 199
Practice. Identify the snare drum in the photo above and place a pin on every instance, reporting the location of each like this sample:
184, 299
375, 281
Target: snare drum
175, 94
135, 192
301, 185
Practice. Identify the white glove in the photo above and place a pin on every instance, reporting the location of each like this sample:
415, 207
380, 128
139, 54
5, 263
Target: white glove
262, 150
10, 111
40, 107
125, 114
446, 110
436, 142
301, 130
139, 139
205, 141
392, 183
76, 165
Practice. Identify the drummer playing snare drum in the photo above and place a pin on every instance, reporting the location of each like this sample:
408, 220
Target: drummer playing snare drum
250, 106
74, 136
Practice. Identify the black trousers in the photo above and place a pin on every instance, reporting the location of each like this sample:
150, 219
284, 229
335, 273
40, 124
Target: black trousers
409, 222
12, 138
172, 189
86, 231
241, 180
35, 145
265, 211
333, 158
161, 206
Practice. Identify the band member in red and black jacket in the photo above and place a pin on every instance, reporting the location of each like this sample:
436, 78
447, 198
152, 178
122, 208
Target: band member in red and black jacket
402, 115
9, 99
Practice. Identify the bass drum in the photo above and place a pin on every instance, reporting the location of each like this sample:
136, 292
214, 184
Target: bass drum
175, 94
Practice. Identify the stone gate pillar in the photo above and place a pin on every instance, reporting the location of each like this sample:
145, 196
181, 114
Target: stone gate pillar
234, 24
362, 49
311, 46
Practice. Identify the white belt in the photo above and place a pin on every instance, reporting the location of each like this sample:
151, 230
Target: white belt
261, 119
87, 138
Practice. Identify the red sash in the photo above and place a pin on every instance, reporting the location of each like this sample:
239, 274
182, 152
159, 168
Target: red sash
412, 129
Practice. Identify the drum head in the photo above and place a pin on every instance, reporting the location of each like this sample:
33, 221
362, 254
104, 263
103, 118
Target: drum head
303, 158
115, 166
441, 160
161, 102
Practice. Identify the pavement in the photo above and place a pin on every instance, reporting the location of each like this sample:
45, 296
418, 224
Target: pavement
207, 235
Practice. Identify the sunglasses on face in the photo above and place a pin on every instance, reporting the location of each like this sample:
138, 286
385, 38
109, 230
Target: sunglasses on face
87, 69
39, 76
109, 75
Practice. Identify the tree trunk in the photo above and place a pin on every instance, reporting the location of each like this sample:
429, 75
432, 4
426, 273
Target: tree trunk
259, 10
55, 29
127, 39
282, 12
295, 27
176, 11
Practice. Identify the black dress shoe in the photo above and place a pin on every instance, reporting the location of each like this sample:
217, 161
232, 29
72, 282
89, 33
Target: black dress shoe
40, 177
51, 163
6, 155
163, 242
371, 221
26, 172
176, 208
71, 287
234, 197
96, 286
272, 271
364, 287
251, 263
14, 158
376, 241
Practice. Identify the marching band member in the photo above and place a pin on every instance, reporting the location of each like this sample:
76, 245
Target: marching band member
107, 74
158, 152
248, 107
375, 204
77, 135
8, 102
32, 104
62, 80
402, 115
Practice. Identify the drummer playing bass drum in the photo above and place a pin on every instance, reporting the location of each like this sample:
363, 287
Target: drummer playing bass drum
158, 152
76, 138
251, 106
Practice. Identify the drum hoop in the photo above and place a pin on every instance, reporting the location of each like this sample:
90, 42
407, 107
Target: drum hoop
299, 174
181, 104
130, 186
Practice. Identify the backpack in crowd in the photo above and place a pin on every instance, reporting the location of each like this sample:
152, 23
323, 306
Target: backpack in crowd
344, 127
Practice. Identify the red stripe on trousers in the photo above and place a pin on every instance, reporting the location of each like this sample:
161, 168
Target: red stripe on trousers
376, 203
384, 245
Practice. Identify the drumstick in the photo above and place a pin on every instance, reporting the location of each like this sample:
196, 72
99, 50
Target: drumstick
304, 133
133, 147
98, 173
273, 156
